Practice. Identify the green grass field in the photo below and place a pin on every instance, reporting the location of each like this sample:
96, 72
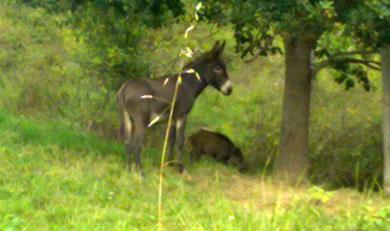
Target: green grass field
61, 168
56, 178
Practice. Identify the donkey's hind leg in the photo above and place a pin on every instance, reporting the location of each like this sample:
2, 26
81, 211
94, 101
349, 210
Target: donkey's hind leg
181, 125
171, 142
127, 135
139, 131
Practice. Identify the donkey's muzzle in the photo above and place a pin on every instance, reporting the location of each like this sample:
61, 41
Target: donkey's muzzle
227, 88
228, 91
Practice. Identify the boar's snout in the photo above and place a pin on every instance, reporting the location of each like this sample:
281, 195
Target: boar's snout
237, 159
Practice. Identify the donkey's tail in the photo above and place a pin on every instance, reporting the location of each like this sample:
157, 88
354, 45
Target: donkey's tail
122, 113
120, 132
188, 140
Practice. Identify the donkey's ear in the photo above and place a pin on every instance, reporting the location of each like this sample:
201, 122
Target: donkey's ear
216, 46
222, 47
216, 51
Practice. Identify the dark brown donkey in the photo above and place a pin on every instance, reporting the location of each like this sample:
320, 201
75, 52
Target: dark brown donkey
142, 102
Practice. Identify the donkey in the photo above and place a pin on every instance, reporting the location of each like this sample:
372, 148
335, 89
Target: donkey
141, 102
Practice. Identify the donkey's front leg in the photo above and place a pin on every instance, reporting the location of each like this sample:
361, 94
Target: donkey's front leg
181, 125
171, 141
125, 130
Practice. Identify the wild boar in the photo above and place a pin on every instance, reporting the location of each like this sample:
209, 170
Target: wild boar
216, 145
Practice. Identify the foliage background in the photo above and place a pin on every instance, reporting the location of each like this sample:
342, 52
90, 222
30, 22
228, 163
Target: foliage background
61, 167
51, 71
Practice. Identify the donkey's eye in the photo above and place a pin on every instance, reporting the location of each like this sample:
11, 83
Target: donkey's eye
217, 69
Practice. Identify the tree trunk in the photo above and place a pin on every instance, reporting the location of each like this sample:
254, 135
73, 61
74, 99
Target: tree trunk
292, 161
385, 59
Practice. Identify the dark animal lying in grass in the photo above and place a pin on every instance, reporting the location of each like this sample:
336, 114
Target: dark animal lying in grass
216, 145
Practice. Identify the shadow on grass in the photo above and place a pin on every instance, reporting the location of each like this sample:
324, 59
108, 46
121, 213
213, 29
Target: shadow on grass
30, 132
26, 131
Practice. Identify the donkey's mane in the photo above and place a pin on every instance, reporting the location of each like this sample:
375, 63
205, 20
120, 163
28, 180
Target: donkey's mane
189, 64
192, 63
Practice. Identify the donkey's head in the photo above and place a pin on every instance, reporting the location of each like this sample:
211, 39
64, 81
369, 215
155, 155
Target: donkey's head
213, 69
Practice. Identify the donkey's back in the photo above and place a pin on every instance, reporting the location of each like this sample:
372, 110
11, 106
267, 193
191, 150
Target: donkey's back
133, 89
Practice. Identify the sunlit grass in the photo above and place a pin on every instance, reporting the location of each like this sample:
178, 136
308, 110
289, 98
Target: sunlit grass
49, 182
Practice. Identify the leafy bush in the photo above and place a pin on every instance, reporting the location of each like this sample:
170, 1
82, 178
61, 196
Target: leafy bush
45, 71
346, 140
352, 157
50, 5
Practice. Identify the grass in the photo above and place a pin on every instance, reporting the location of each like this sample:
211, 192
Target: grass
57, 178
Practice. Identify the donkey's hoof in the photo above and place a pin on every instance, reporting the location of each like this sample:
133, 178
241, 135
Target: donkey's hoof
184, 171
139, 174
178, 165
181, 168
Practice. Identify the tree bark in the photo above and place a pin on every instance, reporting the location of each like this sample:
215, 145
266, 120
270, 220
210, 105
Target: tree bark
292, 161
385, 60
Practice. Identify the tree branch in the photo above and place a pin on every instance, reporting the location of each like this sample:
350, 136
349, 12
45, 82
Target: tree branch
320, 66
369, 63
346, 53
253, 58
